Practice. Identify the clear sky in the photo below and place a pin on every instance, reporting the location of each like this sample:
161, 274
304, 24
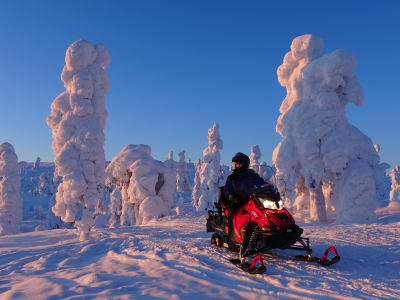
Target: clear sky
179, 66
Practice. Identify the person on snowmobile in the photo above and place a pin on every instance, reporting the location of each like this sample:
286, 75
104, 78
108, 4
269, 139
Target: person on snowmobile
239, 185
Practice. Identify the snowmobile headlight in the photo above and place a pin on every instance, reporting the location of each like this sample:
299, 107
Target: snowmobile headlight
280, 204
268, 204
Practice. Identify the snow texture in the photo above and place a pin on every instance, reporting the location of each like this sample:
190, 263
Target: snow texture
319, 147
182, 178
10, 200
172, 258
77, 120
209, 173
262, 169
142, 187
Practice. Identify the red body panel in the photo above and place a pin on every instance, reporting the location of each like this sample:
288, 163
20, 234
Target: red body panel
250, 212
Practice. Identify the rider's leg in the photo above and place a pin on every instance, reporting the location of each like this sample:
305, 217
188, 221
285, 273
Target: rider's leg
246, 240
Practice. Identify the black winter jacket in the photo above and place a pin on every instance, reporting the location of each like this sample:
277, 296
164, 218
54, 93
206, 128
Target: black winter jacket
241, 183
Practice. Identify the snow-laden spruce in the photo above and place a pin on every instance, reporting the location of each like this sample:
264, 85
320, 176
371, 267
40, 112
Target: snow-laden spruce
182, 177
170, 163
36, 166
209, 173
394, 196
77, 120
321, 155
143, 188
10, 199
262, 169
395, 191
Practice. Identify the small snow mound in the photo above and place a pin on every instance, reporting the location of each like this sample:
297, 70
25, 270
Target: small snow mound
33, 286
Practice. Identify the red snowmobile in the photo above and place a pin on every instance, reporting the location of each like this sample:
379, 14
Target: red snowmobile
261, 224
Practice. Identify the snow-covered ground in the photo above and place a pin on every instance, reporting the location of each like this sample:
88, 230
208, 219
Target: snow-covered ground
172, 259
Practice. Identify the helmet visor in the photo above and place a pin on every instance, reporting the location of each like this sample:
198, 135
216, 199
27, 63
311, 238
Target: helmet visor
235, 165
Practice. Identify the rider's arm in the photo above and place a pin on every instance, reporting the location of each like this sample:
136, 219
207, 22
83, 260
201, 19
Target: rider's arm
228, 188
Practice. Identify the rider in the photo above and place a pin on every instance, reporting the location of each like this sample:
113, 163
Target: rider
239, 185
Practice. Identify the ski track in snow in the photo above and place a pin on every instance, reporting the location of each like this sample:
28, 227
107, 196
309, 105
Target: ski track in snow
172, 259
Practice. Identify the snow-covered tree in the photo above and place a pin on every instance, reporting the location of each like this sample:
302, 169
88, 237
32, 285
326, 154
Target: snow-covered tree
255, 155
118, 177
170, 162
394, 196
182, 178
319, 146
395, 191
209, 174
143, 188
262, 169
196, 191
10, 200
37, 164
77, 120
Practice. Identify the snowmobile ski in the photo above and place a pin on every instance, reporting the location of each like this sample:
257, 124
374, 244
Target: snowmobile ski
323, 260
250, 268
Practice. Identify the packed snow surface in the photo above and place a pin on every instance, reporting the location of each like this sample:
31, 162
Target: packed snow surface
172, 258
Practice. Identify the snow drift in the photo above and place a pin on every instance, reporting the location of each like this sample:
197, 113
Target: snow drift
10, 200
329, 160
142, 187
77, 120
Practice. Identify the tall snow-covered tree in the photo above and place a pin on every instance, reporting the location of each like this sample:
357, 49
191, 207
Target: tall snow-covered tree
394, 196
37, 164
255, 155
144, 188
319, 146
196, 191
209, 174
10, 200
182, 178
77, 120
395, 191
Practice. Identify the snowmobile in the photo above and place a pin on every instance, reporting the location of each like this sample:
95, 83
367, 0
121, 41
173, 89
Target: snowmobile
261, 224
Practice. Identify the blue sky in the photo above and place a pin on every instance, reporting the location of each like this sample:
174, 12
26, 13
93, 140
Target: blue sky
179, 66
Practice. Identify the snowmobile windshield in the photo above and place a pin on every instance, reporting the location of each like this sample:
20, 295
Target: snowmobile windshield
271, 204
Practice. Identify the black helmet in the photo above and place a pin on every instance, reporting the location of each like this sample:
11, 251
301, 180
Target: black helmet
242, 159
